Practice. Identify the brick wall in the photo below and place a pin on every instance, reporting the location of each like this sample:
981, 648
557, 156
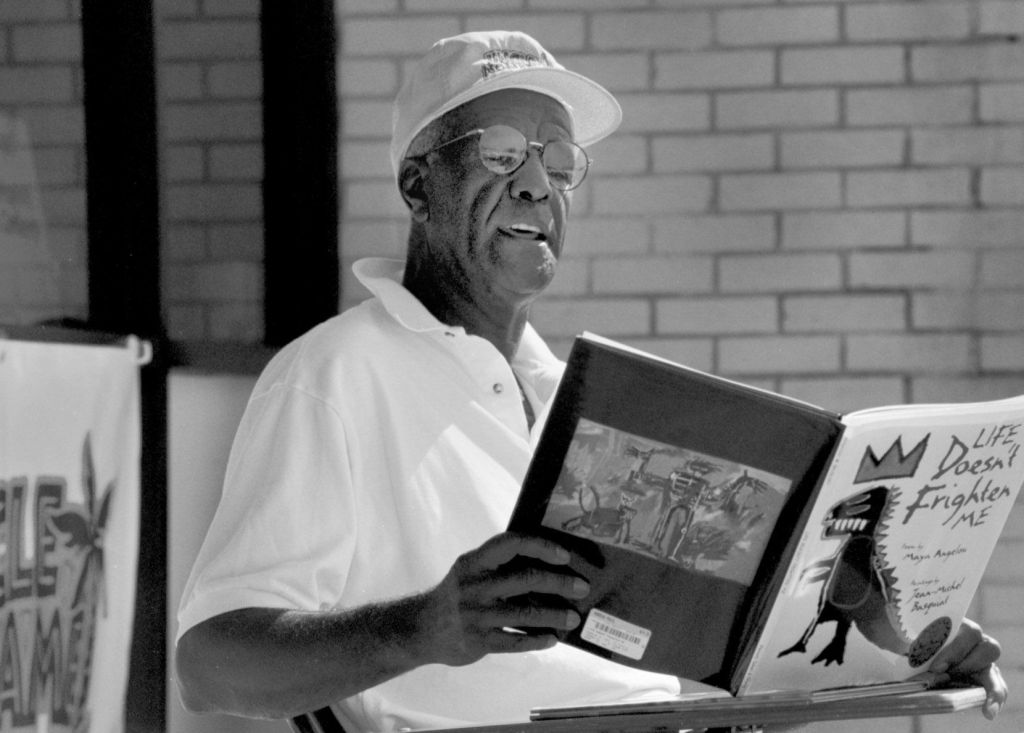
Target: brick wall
209, 91
42, 164
825, 197
804, 194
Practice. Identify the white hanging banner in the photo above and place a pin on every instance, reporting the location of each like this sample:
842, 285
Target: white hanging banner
69, 525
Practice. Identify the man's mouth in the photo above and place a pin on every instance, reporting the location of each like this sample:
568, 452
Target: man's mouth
524, 231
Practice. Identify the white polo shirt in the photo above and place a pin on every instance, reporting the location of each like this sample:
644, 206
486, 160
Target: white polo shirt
375, 450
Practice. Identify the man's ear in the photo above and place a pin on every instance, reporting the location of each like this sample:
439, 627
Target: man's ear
411, 178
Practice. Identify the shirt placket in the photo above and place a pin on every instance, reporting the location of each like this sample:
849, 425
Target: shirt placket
496, 384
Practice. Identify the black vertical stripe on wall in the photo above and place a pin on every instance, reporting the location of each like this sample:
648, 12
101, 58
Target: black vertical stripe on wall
123, 232
300, 148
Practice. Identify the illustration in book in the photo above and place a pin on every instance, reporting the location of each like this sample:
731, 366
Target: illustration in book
754, 542
858, 586
673, 504
885, 579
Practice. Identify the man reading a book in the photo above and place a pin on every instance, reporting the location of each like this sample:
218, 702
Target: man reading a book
357, 559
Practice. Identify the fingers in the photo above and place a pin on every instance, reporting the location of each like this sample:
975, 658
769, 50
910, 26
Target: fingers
510, 565
995, 690
971, 656
503, 548
513, 593
524, 590
525, 615
970, 651
530, 579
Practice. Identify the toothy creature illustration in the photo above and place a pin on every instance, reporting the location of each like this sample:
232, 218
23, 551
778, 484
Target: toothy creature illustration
855, 589
858, 587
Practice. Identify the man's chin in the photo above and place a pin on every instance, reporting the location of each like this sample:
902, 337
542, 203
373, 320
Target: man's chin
523, 267
531, 280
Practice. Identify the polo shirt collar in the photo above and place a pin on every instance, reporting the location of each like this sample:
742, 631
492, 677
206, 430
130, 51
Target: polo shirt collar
383, 278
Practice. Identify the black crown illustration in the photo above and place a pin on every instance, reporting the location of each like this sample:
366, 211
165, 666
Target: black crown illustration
893, 463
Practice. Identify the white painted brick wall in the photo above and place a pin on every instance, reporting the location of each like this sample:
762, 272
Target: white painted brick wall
715, 234
819, 196
677, 154
779, 108
844, 229
1001, 102
970, 145
651, 30
908, 21
922, 353
904, 188
940, 269
673, 275
843, 65
715, 315
909, 106
714, 69
41, 175
845, 394
665, 112
34, 10
843, 148
777, 26
619, 317
859, 129
969, 228
842, 313
775, 191
984, 61
779, 272
208, 60
779, 354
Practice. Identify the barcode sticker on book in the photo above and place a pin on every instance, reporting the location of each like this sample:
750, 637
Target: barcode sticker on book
615, 635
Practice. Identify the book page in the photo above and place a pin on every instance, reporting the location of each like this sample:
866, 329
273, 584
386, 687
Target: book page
895, 547
676, 505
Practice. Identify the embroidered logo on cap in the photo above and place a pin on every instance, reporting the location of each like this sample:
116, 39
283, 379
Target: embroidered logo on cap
502, 59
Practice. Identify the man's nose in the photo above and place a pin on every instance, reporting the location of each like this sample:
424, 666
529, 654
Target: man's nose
531, 181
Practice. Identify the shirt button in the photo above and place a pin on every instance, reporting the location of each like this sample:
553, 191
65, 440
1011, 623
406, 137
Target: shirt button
498, 388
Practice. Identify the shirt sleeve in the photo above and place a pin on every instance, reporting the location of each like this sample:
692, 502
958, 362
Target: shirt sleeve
283, 535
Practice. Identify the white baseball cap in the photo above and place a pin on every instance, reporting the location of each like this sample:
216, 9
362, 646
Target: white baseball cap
461, 68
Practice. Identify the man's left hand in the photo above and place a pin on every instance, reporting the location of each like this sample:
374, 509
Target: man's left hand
971, 657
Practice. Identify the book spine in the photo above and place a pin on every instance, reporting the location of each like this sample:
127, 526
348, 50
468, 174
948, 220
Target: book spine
783, 582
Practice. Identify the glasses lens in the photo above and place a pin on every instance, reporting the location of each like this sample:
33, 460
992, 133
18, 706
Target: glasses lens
566, 164
502, 148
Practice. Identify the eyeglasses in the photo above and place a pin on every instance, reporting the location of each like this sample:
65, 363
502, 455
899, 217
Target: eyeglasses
503, 150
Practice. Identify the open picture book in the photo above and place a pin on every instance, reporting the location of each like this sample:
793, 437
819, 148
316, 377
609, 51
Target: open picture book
754, 542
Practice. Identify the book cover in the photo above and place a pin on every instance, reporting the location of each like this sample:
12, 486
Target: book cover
678, 493
739, 538
895, 545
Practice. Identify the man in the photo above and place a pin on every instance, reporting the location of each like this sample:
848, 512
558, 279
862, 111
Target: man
357, 558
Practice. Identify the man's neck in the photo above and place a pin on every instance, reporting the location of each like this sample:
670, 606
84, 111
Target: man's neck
500, 324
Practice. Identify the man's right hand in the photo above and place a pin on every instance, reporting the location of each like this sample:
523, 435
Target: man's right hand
482, 606
274, 663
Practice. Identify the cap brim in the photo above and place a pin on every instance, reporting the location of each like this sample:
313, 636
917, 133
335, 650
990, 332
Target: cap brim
594, 111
